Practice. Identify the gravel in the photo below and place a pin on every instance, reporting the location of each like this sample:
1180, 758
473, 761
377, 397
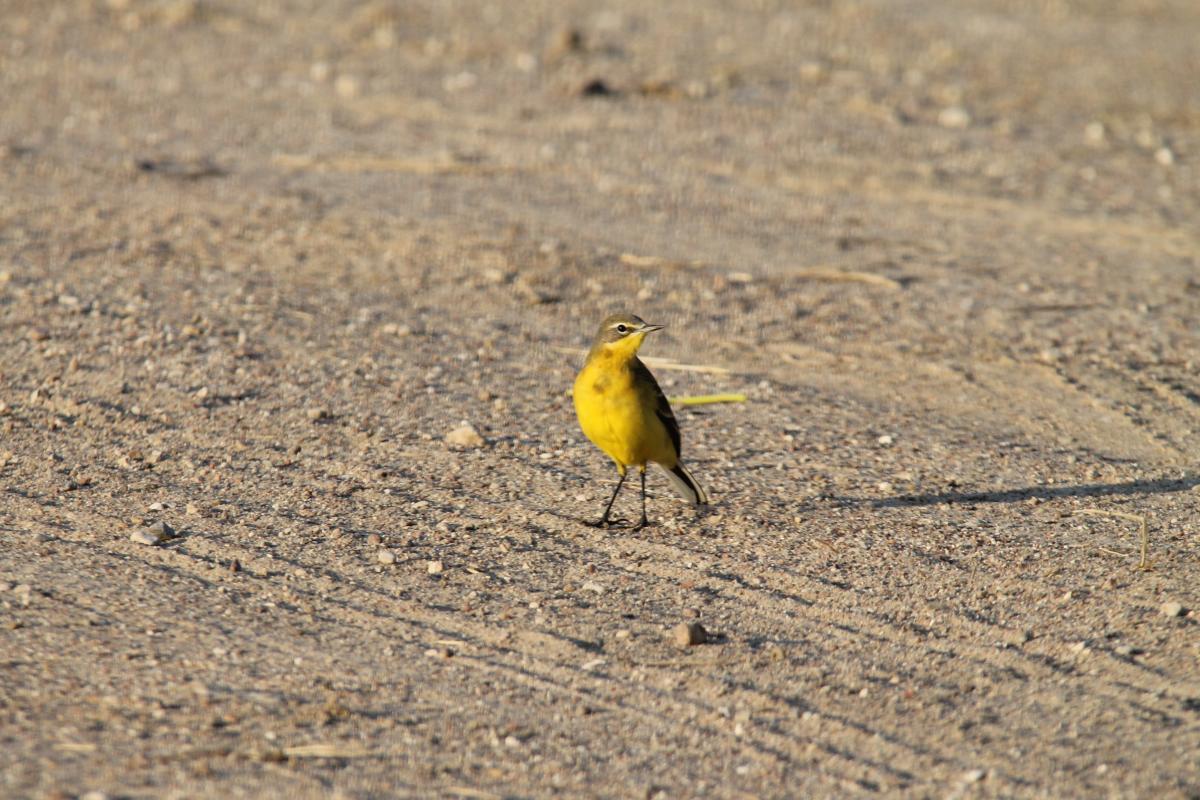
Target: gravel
259, 263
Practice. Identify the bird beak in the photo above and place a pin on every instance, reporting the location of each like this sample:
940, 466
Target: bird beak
651, 328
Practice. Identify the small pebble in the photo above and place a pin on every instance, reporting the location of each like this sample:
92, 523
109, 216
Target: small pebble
564, 42
954, 117
975, 775
1094, 133
347, 86
596, 88
460, 81
689, 634
464, 436
435, 567
374, 540
1172, 610
385, 556
1018, 638
143, 536
156, 533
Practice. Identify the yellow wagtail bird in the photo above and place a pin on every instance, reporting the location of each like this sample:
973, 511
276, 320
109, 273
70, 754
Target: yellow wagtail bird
625, 414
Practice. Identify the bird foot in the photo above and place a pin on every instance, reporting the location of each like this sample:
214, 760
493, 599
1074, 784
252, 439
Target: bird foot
645, 523
608, 523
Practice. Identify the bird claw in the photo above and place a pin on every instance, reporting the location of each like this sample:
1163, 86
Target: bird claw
608, 523
645, 523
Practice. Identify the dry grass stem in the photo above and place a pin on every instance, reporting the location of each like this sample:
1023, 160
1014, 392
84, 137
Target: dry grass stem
1144, 563
835, 275
707, 399
355, 164
326, 750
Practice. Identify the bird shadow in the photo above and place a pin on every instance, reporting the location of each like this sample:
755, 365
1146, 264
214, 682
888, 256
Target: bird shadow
1016, 495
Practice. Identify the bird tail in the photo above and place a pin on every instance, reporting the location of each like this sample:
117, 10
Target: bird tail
686, 485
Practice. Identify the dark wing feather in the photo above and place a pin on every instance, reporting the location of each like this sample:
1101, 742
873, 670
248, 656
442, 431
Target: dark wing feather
662, 408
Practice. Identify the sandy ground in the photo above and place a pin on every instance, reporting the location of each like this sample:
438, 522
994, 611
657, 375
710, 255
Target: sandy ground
257, 260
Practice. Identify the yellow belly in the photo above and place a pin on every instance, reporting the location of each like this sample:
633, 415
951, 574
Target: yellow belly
619, 419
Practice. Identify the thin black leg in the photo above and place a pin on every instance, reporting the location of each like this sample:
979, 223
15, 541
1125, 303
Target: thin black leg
603, 521
644, 521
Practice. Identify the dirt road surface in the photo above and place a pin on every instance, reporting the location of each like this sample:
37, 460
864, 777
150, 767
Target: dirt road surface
257, 261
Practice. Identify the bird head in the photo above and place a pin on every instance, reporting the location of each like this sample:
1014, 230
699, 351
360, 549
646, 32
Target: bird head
622, 334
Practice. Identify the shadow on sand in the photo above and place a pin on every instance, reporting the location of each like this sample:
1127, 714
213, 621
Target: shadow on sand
1155, 486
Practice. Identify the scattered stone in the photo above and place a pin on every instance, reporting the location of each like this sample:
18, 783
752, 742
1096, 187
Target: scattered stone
464, 436
374, 540
566, 41
94, 795
975, 775
235, 566
143, 536
1164, 156
955, 117
347, 86
526, 62
886, 439
689, 634
435, 567
1018, 638
318, 414
156, 533
592, 586
156, 506
1172, 609
439, 652
460, 81
596, 87
385, 556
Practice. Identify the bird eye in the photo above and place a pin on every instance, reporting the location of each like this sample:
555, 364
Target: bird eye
622, 328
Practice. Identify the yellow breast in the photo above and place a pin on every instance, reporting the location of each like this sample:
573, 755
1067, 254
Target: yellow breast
618, 416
